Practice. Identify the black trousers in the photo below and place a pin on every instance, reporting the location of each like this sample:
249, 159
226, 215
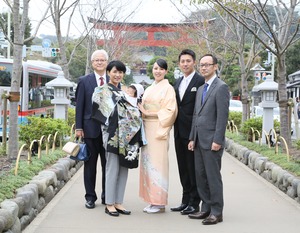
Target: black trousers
95, 147
186, 167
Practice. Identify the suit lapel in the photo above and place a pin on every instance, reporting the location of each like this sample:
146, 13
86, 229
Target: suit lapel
210, 90
199, 97
177, 89
92, 81
189, 87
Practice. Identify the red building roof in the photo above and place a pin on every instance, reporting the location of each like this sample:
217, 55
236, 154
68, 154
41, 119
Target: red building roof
157, 34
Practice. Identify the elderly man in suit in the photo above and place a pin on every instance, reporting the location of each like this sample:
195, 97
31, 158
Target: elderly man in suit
88, 128
207, 140
186, 88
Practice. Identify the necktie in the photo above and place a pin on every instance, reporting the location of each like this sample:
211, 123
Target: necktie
101, 81
204, 92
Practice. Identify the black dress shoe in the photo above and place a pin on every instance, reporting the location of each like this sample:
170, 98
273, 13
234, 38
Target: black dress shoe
111, 213
212, 219
125, 212
90, 204
103, 201
189, 210
179, 208
199, 215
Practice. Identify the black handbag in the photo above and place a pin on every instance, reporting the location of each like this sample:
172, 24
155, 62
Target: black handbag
83, 153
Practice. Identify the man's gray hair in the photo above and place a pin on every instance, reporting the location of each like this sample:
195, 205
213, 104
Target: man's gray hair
99, 51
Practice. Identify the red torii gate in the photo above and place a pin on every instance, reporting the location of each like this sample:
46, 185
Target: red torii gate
150, 28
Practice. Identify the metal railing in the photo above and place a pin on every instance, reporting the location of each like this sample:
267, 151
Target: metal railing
40, 143
255, 135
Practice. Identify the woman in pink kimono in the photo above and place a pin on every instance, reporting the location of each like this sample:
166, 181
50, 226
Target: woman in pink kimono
159, 110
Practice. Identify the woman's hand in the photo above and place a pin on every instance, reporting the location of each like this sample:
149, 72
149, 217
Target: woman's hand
142, 109
146, 112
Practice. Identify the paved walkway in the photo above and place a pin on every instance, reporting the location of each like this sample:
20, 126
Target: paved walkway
252, 205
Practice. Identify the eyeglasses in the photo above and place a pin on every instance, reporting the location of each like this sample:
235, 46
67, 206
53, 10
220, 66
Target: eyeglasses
205, 65
99, 60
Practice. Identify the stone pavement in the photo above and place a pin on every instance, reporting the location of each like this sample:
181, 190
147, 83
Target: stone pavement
252, 205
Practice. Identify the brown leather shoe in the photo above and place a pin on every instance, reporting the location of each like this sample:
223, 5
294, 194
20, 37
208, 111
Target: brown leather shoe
212, 219
199, 215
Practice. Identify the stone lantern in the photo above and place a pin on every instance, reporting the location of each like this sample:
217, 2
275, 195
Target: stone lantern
61, 99
258, 70
268, 90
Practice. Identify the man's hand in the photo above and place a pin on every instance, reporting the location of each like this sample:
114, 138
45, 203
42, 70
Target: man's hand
215, 147
79, 133
191, 146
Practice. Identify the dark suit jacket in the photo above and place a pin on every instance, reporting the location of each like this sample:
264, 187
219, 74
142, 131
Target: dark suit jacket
83, 96
210, 118
183, 123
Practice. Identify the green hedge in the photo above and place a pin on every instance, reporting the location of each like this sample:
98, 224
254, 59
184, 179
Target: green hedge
37, 127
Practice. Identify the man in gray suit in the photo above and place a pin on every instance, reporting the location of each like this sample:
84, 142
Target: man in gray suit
207, 139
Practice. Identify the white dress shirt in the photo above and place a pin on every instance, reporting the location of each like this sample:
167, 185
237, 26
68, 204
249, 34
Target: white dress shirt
98, 79
185, 83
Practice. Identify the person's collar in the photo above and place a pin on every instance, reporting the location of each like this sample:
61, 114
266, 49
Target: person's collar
190, 76
98, 76
210, 81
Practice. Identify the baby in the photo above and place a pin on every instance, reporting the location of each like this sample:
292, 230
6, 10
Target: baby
135, 93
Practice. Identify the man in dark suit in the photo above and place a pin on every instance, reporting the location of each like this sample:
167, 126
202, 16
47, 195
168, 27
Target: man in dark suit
207, 140
186, 88
88, 128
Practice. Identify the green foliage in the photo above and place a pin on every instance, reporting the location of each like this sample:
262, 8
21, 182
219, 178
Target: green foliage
236, 117
280, 158
9, 182
4, 24
37, 127
256, 124
78, 63
171, 67
71, 116
298, 144
232, 72
128, 79
293, 59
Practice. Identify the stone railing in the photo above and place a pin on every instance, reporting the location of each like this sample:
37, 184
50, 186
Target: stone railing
17, 213
270, 171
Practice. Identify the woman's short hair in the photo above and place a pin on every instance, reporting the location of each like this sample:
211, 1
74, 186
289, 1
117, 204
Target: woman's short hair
118, 64
162, 63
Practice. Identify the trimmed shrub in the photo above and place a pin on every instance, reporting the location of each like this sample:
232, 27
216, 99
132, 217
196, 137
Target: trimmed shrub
37, 127
256, 124
236, 117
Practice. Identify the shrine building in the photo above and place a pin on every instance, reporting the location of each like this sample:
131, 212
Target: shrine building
147, 34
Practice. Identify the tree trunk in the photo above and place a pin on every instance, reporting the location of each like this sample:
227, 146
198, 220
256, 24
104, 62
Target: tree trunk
244, 87
282, 94
19, 30
63, 56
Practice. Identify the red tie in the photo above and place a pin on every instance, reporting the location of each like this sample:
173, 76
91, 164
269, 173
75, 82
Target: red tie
101, 81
